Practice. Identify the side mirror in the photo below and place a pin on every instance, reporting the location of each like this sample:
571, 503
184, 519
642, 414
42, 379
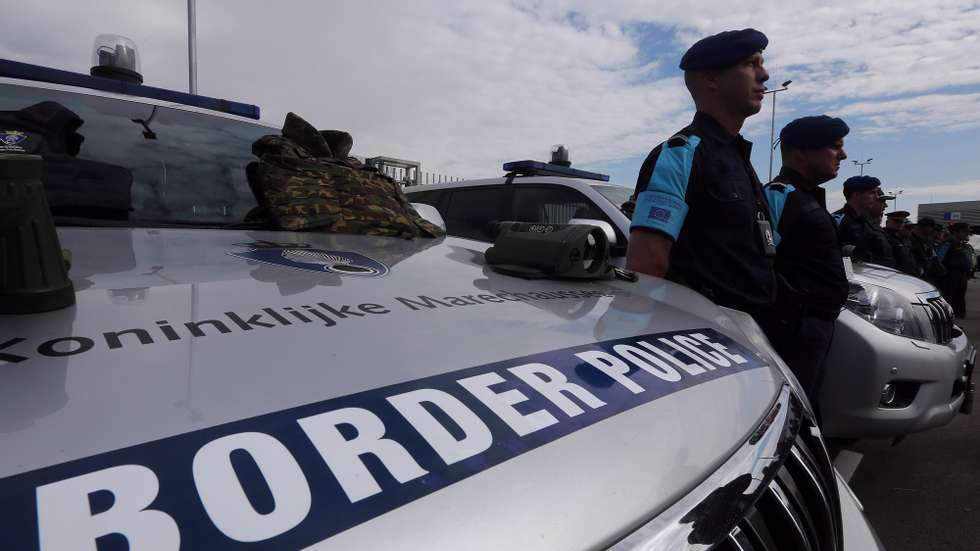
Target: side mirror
606, 227
430, 214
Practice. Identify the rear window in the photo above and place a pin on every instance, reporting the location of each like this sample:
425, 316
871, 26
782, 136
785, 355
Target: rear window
472, 212
139, 162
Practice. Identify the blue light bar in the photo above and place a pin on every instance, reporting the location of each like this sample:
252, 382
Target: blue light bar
537, 168
26, 71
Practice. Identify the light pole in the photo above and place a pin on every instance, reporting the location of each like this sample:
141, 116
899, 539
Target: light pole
192, 46
861, 164
772, 127
896, 194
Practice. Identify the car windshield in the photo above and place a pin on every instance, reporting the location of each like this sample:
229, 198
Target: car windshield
617, 195
137, 164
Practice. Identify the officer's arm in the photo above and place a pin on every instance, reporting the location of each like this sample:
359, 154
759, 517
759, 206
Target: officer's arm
661, 206
649, 252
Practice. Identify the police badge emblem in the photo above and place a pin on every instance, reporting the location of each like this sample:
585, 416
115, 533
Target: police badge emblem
10, 141
303, 257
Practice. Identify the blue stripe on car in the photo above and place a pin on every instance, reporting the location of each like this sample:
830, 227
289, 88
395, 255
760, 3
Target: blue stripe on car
292, 478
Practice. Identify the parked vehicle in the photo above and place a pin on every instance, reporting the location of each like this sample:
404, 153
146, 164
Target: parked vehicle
898, 364
220, 385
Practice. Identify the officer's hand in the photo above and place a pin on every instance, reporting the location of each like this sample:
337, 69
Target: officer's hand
649, 252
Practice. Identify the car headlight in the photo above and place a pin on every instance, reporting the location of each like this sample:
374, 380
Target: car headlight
887, 310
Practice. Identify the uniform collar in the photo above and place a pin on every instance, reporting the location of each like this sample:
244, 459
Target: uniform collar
707, 125
789, 176
852, 212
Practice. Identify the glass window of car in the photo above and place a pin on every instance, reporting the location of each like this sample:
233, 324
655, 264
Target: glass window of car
472, 212
617, 195
431, 197
558, 205
144, 163
552, 205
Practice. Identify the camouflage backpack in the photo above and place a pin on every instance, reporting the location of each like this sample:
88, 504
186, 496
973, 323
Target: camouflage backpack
304, 180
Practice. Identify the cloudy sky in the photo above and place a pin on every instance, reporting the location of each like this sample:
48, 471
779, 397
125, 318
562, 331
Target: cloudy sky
463, 86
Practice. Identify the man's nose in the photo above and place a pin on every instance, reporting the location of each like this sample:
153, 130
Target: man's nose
842, 155
763, 74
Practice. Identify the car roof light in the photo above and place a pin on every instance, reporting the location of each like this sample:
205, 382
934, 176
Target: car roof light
537, 168
116, 57
26, 71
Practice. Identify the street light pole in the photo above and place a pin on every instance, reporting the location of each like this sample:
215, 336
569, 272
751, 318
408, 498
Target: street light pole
772, 124
192, 46
861, 164
897, 193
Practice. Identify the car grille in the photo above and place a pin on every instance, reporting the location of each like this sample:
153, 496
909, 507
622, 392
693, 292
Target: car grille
798, 510
940, 316
777, 492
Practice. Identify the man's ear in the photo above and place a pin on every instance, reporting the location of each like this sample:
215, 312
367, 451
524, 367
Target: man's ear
711, 80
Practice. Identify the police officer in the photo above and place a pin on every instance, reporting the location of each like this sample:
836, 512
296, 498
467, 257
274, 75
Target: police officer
901, 246
958, 262
700, 217
859, 221
812, 283
924, 251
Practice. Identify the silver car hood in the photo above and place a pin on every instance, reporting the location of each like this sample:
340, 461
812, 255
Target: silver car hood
79, 394
891, 278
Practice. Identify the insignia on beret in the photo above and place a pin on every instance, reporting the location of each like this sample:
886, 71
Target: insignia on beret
812, 132
723, 50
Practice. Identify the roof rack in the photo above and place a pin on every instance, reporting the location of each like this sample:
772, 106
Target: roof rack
26, 71
537, 168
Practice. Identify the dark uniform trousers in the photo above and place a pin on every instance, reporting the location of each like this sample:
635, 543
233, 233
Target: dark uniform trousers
802, 342
955, 290
957, 262
812, 284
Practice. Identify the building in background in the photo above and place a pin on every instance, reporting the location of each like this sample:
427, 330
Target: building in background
945, 213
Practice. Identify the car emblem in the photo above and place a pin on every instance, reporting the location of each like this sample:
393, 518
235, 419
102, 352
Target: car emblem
303, 257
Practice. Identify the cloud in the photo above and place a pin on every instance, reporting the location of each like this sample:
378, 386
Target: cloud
938, 112
464, 86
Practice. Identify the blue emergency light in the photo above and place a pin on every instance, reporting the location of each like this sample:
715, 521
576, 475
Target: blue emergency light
26, 71
537, 168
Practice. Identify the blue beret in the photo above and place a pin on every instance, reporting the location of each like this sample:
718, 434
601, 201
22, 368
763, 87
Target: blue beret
810, 132
723, 50
861, 183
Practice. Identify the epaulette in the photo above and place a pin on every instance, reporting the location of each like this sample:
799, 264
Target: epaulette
838, 216
677, 140
776, 186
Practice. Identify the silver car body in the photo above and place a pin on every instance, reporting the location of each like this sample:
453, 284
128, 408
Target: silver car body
220, 388
862, 359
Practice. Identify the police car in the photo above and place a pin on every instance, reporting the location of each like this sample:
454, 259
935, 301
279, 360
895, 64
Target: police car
897, 365
221, 385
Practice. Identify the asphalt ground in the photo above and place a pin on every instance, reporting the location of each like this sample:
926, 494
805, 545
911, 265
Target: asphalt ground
924, 493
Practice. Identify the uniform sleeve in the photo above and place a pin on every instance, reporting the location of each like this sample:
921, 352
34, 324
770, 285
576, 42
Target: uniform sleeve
777, 196
661, 203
